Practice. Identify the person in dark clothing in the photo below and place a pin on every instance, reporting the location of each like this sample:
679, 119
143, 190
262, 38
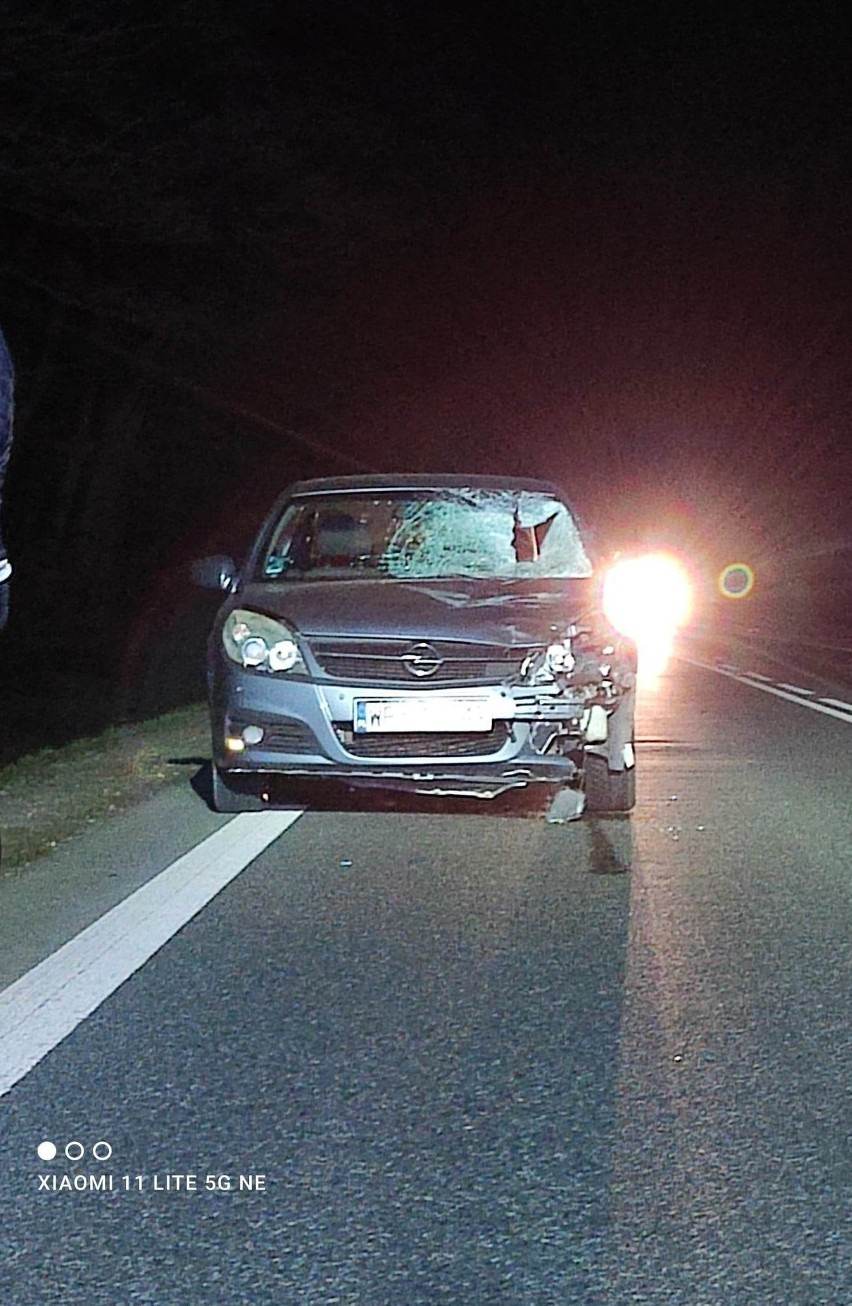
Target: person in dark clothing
7, 380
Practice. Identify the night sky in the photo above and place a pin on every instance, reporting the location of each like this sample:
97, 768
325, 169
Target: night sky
247, 243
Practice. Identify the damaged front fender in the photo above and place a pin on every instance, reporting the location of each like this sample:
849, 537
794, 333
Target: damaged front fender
618, 746
579, 696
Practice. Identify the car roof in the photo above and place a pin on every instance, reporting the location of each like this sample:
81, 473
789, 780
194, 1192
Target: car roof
418, 481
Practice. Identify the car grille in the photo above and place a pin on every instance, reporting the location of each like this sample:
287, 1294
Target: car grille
425, 743
381, 661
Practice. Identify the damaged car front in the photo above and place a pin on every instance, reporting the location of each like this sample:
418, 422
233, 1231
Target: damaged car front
437, 634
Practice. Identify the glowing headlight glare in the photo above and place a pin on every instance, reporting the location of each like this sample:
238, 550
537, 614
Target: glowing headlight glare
644, 597
647, 599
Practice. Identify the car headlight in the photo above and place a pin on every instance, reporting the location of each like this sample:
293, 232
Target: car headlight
560, 657
583, 660
543, 666
262, 643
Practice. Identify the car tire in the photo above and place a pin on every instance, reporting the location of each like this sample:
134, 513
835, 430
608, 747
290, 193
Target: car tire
608, 791
227, 799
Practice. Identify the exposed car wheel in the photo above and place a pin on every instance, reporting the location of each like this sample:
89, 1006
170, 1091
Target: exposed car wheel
608, 791
232, 799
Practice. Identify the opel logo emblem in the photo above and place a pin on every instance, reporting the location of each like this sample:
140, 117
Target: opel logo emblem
421, 660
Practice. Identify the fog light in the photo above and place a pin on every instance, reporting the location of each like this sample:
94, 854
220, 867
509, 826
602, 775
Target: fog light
234, 744
252, 734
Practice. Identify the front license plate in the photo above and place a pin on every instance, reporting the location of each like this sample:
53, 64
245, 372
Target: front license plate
375, 716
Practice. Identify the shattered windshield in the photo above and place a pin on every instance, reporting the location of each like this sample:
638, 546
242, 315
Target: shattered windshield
432, 535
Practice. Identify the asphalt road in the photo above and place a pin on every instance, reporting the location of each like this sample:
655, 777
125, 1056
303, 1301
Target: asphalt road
479, 1058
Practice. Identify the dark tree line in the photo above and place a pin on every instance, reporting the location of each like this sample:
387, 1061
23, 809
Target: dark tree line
177, 183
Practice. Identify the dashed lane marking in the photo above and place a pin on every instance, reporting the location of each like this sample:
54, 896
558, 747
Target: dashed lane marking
45, 1005
828, 707
837, 702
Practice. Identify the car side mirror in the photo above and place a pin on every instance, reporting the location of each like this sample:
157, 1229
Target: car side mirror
215, 573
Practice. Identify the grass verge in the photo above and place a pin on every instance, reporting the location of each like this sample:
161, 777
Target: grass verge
49, 797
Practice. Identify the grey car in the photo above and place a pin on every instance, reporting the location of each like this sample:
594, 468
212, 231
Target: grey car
439, 634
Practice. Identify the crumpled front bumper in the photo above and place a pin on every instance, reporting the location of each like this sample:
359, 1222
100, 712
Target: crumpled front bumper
539, 737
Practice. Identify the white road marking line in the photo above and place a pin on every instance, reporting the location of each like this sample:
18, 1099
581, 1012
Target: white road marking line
837, 702
41, 1008
794, 689
756, 682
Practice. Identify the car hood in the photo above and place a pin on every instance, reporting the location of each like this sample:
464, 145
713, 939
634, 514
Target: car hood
509, 613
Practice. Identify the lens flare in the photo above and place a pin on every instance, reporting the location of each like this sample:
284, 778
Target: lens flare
649, 598
736, 581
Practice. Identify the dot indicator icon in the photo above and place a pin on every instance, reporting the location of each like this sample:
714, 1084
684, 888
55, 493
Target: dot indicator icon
46, 1151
